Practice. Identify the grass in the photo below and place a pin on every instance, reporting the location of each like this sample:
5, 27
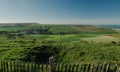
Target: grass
77, 37
91, 53
12, 29
69, 37
65, 51
101, 39
74, 29
67, 48
116, 35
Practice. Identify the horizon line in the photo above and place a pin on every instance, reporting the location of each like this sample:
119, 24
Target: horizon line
51, 23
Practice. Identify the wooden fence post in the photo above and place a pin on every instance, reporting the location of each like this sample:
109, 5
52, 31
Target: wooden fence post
115, 69
108, 68
52, 65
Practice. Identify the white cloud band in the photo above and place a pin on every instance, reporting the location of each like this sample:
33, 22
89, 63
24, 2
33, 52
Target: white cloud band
68, 21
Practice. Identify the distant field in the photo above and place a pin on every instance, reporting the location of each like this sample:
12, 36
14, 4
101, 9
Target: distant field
11, 29
63, 32
116, 35
57, 29
101, 39
69, 37
77, 37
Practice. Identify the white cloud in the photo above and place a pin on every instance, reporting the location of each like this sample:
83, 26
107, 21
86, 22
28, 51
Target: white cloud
82, 21
68, 21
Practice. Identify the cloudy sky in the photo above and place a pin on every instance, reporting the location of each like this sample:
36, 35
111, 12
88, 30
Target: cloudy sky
60, 11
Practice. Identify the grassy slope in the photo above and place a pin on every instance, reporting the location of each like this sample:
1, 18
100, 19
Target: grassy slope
66, 48
90, 53
27, 49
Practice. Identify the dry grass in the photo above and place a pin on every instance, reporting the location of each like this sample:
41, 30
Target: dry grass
101, 39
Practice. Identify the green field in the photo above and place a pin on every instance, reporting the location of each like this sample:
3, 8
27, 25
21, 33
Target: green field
69, 37
67, 43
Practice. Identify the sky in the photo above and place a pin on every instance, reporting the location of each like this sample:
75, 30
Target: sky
60, 11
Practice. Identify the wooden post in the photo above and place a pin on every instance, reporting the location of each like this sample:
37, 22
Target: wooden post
115, 69
52, 65
88, 69
108, 68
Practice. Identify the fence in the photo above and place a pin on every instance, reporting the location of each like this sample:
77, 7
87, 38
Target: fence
10, 66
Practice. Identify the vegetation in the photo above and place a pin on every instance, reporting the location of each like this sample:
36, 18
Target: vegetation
34, 28
67, 43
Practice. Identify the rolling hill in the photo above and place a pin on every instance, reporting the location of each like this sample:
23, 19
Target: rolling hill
35, 28
35, 42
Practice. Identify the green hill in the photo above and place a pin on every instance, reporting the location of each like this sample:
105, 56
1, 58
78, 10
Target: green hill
67, 43
35, 28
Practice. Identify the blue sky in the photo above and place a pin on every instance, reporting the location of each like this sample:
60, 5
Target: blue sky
61, 11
